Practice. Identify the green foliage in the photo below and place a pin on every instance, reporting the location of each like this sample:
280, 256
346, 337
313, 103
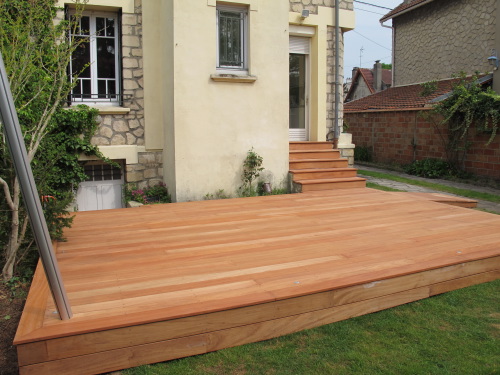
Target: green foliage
363, 153
429, 168
428, 88
252, 166
386, 66
149, 195
219, 194
470, 106
36, 53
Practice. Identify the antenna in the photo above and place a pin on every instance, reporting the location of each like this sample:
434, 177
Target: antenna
360, 55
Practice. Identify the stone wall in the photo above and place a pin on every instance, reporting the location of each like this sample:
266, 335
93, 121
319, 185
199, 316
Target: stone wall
312, 5
400, 137
443, 38
127, 129
148, 171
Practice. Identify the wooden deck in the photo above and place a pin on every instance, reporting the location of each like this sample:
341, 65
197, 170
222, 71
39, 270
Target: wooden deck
167, 281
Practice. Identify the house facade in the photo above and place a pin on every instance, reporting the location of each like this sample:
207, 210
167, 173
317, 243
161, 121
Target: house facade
435, 39
186, 87
366, 82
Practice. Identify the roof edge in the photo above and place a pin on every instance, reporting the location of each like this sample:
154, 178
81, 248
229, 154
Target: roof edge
389, 16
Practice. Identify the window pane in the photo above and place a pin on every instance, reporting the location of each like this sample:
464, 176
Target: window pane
105, 58
85, 26
101, 88
112, 88
81, 60
77, 90
87, 88
110, 27
230, 39
100, 26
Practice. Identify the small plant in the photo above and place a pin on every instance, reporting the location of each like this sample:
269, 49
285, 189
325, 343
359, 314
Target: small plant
363, 153
429, 168
219, 194
149, 195
252, 166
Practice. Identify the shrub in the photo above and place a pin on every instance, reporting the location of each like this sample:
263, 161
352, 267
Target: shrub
430, 168
149, 195
363, 153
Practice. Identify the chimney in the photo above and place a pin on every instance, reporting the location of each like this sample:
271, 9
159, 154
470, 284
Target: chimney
354, 70
377, 76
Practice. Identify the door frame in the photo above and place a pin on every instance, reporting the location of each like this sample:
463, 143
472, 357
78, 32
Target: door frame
298, 136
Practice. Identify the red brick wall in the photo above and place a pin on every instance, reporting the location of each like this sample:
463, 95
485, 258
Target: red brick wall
404, 136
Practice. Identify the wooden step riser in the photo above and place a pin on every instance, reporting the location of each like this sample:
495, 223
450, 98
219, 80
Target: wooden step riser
315, 155
333, 185
338, 163
317, 175
311, 146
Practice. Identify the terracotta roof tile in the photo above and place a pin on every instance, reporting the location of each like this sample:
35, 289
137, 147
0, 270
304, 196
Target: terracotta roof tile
402, 7
387, 76
400, 97
368, 76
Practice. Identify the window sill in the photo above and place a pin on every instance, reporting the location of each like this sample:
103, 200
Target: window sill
233, 78
108, 110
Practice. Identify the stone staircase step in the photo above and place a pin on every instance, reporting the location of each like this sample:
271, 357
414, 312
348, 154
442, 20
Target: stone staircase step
315, 174
314, 154
329, 184
318, 163
294, 146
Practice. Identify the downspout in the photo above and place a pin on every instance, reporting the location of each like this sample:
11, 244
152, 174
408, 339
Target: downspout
337, 75
392, 52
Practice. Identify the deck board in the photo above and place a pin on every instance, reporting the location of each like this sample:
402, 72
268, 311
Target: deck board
143, 277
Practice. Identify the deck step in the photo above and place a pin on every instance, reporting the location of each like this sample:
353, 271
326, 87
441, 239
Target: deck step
318, 163
332, 183
314, 174
314, 154
294, 146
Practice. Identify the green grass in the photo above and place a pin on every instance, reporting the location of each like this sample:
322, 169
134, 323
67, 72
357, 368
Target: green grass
454, 333
448, 189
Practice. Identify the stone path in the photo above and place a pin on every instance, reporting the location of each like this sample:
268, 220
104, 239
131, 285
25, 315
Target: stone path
490, 206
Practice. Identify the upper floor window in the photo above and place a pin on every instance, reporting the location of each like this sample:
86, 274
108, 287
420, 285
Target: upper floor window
232, 37
96, 60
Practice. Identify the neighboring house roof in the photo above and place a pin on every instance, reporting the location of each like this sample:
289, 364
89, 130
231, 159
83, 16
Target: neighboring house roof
367, 75
403, 8
405, 97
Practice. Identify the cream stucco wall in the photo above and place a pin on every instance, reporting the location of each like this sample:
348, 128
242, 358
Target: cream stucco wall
209, 126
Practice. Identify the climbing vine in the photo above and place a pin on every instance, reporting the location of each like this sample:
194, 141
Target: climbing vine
471, 109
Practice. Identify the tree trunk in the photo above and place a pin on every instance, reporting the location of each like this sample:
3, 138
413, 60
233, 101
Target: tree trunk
14, 242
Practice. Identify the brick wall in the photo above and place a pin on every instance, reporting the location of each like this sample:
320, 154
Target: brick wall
404, 136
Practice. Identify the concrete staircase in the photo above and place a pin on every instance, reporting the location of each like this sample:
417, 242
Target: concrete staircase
317, 166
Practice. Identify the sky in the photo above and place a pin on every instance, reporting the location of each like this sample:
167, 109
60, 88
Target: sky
374, 40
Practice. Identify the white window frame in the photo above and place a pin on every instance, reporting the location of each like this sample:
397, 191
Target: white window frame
93, 58
243, 11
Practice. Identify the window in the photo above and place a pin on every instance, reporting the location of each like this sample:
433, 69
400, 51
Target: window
96, 60
232, 37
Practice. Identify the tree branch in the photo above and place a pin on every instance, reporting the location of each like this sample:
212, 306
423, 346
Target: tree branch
6, 191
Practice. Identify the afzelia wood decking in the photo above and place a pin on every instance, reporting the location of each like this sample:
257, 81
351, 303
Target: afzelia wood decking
166, 281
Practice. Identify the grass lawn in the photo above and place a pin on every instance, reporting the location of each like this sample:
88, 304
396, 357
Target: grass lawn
454, 333
448, 189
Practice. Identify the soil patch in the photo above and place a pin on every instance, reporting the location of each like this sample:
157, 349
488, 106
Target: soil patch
12, 300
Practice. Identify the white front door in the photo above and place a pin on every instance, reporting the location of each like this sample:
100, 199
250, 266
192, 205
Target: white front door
299, 89
102, 190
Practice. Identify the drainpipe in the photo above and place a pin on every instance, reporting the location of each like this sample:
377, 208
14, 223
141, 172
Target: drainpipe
392, 54
337, 76
15, 140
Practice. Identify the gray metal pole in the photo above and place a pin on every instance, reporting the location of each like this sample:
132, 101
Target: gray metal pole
337, 75
15, 140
